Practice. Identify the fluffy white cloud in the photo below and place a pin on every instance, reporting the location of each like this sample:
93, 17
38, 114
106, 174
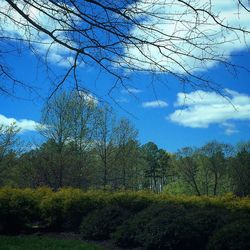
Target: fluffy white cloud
185, 37
155, 104
14, 27
23, 124
199, 109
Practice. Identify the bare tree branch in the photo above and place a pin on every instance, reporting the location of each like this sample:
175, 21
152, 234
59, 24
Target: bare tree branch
176, 37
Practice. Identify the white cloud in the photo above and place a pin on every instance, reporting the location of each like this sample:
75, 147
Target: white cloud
175, 28
131, 91
23, 124
230, 128
56, 55
88, 97
155, 104
178, 31
41, 43
199, 109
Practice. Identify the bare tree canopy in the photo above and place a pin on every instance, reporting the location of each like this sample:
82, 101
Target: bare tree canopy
179, 37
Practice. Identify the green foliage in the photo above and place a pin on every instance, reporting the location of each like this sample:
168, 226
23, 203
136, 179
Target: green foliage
156, 166
160, 226
52, 211
128, 234
64, 210
99, 224
35, 243
132, 201
177, 187
240, 170
175, 222
18, 208
234, 236
131, 219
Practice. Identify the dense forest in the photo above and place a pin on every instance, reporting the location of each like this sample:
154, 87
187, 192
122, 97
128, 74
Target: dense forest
86, 146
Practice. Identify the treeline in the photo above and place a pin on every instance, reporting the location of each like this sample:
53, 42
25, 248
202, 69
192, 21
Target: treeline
87, 146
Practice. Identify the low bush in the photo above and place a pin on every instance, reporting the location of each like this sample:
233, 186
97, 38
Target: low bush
147, 225
171, 226
18, 210
132, 201
99, 224
131, 219
64, 210
52, 211
234, 236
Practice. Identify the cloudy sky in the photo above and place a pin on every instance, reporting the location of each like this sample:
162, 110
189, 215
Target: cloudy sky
161, 108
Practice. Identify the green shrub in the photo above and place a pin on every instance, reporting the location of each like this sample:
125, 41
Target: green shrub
78, 205
18, 210
170, 226
198, 224
64, 210
164, 215
132, 201
234, 236
99, 224
52, 211
134, 232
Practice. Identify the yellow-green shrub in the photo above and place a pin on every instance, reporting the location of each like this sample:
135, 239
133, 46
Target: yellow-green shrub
18, 209
64, 210
132, 201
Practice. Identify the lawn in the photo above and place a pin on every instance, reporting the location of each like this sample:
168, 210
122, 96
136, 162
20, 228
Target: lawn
41, 243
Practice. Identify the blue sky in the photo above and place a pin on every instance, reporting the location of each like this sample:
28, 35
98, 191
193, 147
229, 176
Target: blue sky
159, 109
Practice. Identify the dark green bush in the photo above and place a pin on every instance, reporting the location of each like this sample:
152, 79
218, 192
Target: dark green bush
170, 226
234, 236
134, 232
202, 222
99, 224
18, 210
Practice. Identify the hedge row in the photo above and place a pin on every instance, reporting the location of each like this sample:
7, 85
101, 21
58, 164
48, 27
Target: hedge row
24, 209
130, 219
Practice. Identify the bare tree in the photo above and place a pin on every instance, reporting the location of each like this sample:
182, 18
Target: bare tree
216, 154
104, 141
8, 148
125, 136
240, 171
83, 108
56, 127
67, 121
8, 139
189, 168
177, 37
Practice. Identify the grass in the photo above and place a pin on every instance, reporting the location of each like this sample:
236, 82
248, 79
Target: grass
41, 243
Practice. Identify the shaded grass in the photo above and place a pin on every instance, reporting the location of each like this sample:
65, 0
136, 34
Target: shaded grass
42, 243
